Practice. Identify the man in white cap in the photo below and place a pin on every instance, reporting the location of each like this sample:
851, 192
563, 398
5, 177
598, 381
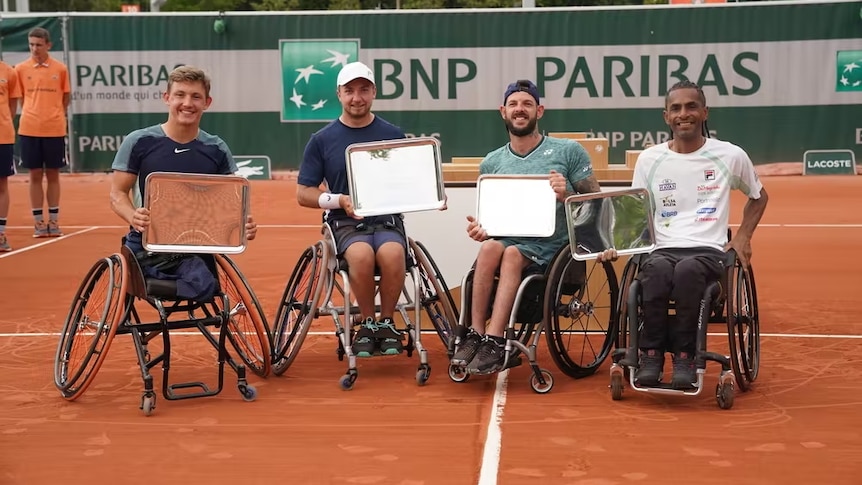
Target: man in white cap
363, 242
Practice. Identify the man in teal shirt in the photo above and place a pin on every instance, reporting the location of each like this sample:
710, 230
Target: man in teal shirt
528, 152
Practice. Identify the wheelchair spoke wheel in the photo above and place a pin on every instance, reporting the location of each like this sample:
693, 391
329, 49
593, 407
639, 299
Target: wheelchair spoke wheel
247, 329
580, 304
743, 327
436, 298
297, 308
90, 326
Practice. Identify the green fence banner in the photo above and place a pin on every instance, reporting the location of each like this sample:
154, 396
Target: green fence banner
780, 78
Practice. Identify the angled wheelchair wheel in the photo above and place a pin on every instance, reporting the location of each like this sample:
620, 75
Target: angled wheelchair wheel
580, 300
436, 298
298, 307
90, 326
247, 329
743, 325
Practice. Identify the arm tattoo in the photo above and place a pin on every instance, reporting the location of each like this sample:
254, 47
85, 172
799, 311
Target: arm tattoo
587, 185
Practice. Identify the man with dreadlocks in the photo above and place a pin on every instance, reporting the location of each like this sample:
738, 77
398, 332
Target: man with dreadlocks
689, 179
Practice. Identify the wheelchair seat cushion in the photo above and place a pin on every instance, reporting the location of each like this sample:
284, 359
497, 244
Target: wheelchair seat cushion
178, 276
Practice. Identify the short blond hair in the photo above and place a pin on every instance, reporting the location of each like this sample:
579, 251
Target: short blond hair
189, 74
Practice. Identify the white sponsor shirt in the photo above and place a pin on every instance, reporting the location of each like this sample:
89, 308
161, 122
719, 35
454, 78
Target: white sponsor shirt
690, 193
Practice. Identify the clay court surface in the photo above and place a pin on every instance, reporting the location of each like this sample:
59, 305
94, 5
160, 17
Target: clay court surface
800, 424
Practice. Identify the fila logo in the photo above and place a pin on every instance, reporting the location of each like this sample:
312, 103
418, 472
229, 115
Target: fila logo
177, 150
709, 174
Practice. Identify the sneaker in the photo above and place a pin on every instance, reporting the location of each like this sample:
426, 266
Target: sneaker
4, 244
650, 368
364, 343
684, 375
489, 358
389, 338
467, 349
54, 229
41, 229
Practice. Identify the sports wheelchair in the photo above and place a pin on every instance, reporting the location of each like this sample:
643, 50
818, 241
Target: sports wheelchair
105, 305
574, 298
107, 301
319, 286
730, 302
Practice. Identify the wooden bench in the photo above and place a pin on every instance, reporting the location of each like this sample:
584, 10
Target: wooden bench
632, 157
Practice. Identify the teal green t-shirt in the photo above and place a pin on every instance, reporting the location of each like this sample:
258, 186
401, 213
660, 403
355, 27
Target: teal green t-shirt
562, 155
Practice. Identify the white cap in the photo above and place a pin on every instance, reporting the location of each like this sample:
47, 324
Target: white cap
354, 70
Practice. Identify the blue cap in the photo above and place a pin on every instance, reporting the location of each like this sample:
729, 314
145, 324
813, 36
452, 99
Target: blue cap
522, 85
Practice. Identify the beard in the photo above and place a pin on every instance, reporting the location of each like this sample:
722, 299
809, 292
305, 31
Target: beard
527, 130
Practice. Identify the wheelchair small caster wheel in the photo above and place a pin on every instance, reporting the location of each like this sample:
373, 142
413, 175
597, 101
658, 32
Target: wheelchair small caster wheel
423, 374
458, 373
537, 386
616, 387
249, 393
346, 381
148, 403
724, 395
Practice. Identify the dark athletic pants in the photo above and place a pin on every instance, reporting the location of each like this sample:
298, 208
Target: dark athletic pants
680, 275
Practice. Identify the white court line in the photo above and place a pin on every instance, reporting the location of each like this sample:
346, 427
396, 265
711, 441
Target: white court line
433, 332
494, 436
49, 241
314, 226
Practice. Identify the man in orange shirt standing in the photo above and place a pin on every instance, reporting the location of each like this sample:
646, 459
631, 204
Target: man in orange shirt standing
42, 128
10, 91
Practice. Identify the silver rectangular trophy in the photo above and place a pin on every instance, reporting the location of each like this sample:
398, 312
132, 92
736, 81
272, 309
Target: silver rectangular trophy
193, 213
615, 219
395, 176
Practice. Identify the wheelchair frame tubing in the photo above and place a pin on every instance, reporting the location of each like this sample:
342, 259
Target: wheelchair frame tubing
142, 334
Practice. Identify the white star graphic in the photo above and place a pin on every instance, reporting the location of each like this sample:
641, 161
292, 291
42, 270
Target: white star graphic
318, 105
297, 99
306, 72
337, 58
844, 81
850, 67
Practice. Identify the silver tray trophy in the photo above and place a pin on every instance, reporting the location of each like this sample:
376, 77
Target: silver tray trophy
516, 205
395, 176
193, 213
615, 219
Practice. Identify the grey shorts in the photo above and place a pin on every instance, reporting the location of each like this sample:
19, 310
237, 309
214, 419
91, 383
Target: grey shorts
374, 231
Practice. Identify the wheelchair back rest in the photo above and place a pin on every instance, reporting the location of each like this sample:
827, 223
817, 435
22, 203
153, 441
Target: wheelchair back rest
574, 278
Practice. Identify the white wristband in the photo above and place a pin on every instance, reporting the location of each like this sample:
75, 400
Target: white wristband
329, 201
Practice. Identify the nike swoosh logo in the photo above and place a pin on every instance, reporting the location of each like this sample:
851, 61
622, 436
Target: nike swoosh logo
177, 150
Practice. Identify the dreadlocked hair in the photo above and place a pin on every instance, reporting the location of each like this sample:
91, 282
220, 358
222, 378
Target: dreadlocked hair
686, 84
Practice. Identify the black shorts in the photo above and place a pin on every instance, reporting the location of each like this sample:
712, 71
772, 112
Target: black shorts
40, 152
7, 160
